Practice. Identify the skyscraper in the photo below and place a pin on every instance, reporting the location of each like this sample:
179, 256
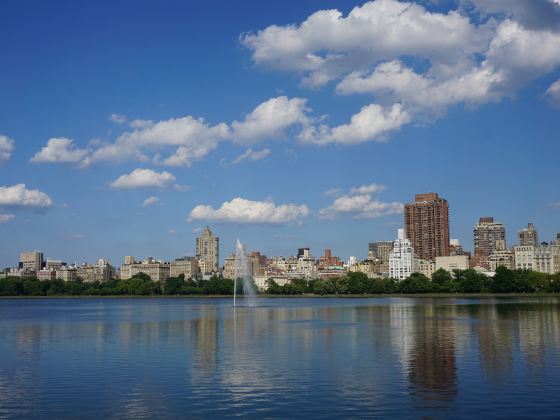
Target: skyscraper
207, 250
528, 236
401, 259
427, 225
486, 235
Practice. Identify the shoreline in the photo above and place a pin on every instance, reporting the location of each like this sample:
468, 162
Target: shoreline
312, 296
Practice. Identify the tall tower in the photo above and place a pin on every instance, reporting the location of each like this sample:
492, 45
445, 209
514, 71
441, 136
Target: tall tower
401, 259
486, 235
207, 250
426, 223
528, 236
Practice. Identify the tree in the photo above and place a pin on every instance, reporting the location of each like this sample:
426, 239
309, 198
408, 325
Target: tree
416, 283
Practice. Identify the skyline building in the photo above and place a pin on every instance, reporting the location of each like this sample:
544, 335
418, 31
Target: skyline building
208, 251
528, 236
486, 234
426, 223
402, 262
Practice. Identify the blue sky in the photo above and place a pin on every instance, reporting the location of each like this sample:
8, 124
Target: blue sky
282, 124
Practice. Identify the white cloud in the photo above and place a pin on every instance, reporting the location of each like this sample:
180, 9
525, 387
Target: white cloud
333, 192
19, 196
360, 204
553, 93
144, 178
77, 237
327, 44
555, 205
368, 189
5, 218
60, 150
150, 201
372, 123
189, 138
271, 119
240, 210
117, 118
251, 155
7, 146
172, 231
424, 94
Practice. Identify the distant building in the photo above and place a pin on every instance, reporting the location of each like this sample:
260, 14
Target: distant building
103, 271
208, 250
65, 273
524, 257
402, 262
528, 236
46, 274
380, 251
501, 258
426, 267
156, 269
301, 252
328, 260
54, 264
229, 266
187, 266
486, 234
450, 263
31, 262
427, 225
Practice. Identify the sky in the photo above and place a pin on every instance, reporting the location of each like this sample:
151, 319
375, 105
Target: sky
126, 127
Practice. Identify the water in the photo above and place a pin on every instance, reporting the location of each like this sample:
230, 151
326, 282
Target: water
243, 272
328, 358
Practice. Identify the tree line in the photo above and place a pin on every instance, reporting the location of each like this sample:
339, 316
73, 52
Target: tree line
460, 281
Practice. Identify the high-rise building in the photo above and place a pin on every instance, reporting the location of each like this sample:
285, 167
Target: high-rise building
401, 260
427, 225
486, 235
301, 252
207, 250
31, 261
528, 236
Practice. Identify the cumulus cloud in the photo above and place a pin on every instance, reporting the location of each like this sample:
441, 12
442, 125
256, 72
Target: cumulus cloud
415, 63
327, 44
144, 178
360, 204
240, 210
7, 146
5, 218
191, 139
150, 201
251, 155
60, 150
19, 196
271, 119
372, 123
117, 118
367, 189
553, 93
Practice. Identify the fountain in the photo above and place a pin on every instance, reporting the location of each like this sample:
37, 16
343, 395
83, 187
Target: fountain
242, 272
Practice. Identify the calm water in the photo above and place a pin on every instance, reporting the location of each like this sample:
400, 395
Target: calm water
138, 358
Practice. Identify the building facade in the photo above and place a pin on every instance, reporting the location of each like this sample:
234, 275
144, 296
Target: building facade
427, 225
450, 263
402, 262
528, 236
524, 257
207, 250
187, 266
157, 270
31, 262
100, 272
486, 235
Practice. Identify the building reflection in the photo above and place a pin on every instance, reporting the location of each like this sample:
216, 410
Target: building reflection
430, 355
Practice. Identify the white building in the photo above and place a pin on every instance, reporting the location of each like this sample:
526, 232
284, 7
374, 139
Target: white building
402, 262
524, 257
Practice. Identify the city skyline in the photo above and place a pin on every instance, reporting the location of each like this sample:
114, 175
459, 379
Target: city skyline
132, 136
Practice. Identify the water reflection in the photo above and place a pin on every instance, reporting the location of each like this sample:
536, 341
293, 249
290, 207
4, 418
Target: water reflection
384, 357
